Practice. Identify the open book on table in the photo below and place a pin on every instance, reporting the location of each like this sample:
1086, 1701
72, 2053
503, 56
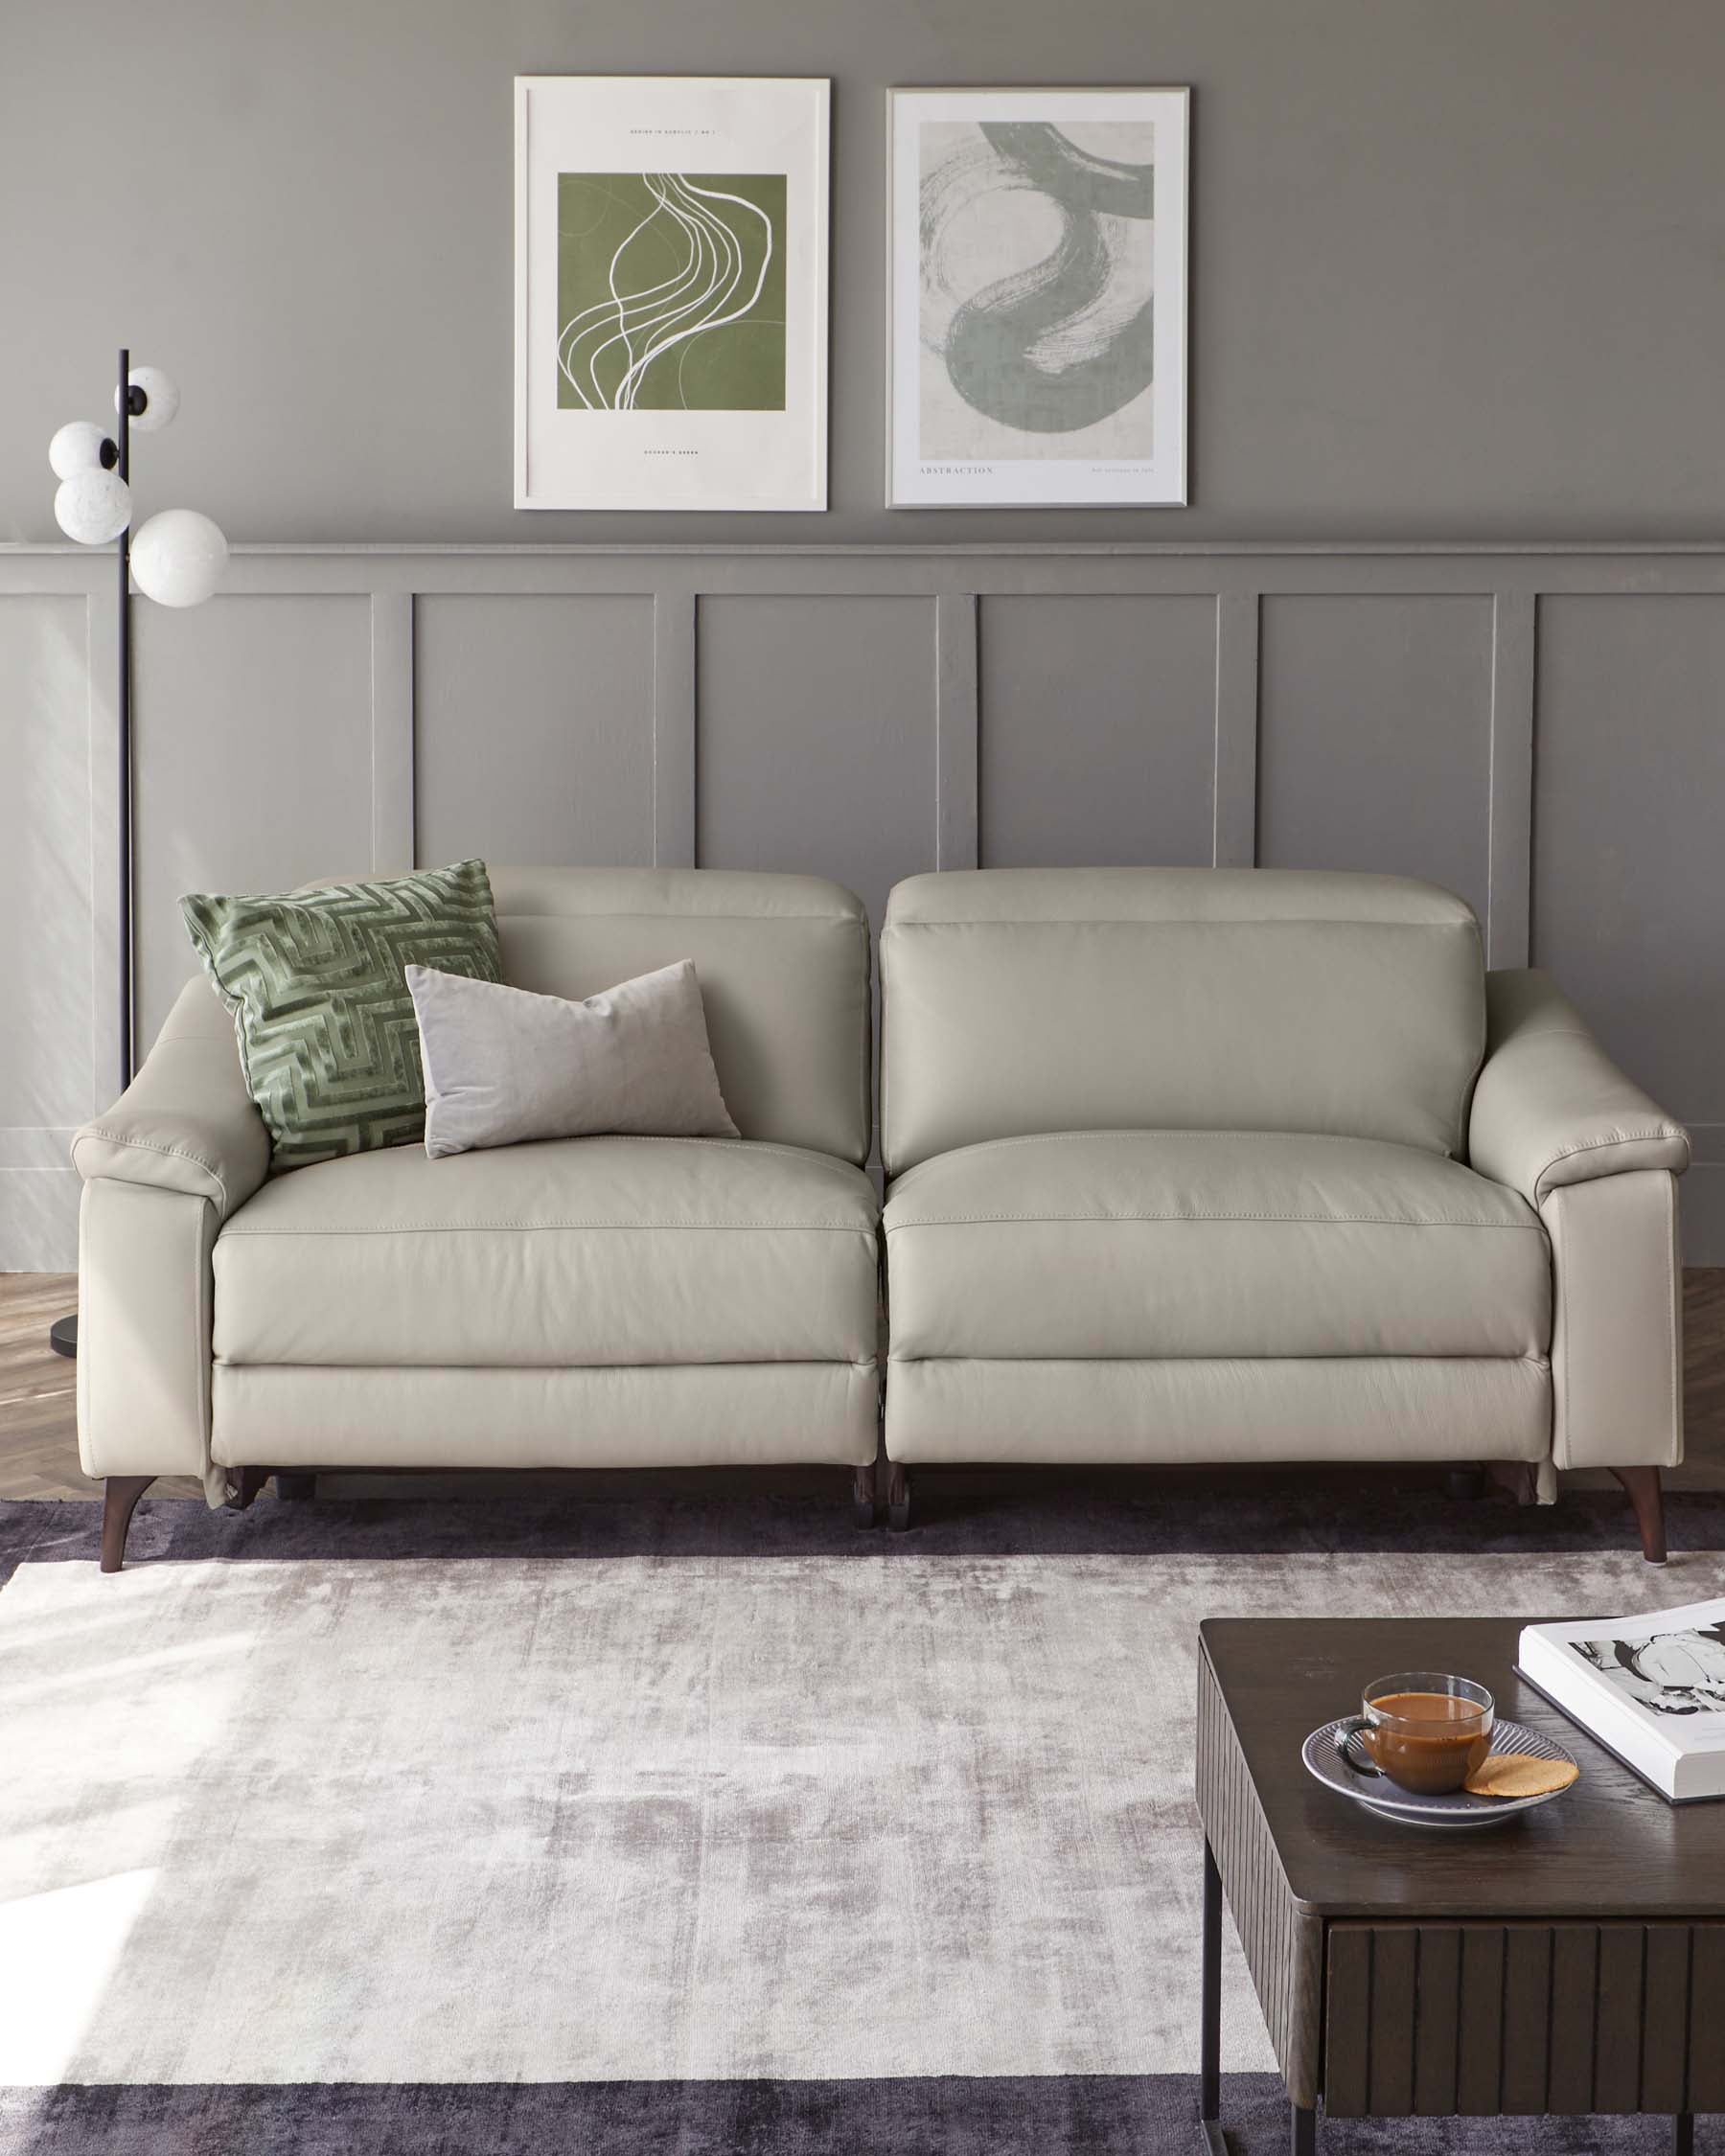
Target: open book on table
1650, 1688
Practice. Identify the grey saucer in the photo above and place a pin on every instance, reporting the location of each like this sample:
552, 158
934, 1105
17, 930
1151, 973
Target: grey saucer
1324, 1758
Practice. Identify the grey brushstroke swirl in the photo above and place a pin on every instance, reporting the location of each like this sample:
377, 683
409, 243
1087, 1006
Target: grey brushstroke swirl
991, 343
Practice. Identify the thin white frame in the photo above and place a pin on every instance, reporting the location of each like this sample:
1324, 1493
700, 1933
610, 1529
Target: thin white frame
1160, 487
534, 490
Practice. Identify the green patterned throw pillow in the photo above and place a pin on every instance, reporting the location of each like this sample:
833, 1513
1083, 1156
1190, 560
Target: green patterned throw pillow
316, 984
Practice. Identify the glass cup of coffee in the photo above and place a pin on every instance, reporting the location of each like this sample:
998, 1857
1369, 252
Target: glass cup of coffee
1421, 1730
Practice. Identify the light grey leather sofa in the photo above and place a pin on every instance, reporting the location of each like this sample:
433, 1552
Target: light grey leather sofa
598, 1302
1256, 1165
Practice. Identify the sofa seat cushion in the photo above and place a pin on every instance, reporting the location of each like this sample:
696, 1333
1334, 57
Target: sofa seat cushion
1209, 1244
578, 1251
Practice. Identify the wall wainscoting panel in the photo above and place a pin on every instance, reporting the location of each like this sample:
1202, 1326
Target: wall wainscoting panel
816, 736
253, 767
1375, 736
1628, 892
533, 728
1110, 760
1539, 728
49, 740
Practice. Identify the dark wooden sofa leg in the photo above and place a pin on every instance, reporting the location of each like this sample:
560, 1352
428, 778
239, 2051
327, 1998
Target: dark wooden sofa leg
898, 1498
1648, 1501
295, 1487
242, 1486
1464, 1483
862, 1497
120, 1495
1517, 1478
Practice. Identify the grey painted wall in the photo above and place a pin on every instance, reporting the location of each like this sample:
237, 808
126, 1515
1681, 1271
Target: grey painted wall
1459, 275
1541, 732
1459, 264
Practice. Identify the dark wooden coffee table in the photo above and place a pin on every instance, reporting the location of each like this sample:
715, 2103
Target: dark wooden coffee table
1570, 1960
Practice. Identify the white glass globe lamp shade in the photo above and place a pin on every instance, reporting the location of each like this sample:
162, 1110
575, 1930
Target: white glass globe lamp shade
161, 399
93, 506
77, 448
178, 558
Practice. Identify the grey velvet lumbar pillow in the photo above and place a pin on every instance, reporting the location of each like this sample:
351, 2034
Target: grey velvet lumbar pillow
504, 1066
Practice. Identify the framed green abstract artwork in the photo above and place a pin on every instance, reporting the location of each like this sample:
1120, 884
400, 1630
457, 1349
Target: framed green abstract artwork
1036, 353
671, 280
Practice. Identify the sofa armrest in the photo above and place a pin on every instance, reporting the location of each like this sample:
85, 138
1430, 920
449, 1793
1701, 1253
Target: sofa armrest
1617, 1335
1550, 1107
145, 1298
186, 1123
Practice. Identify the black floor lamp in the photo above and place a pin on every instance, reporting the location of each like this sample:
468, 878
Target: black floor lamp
177, 558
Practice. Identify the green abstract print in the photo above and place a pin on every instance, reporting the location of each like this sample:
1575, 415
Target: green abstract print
671, 291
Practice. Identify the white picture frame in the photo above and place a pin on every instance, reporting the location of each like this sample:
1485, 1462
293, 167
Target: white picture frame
985, 408
620, 181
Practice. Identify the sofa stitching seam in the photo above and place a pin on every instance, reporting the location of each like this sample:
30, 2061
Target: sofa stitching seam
752, 1145
1463, 1117
1177, 921
1200, 1220
769, 920
148, 1145
1673, 1303
575, 1369
1127, 1131
1660, 1130
559, 1226
1155, 1361
1562, 1272
203, 1346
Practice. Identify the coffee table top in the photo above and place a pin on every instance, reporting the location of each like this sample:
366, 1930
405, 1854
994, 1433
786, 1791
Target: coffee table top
1610, 1847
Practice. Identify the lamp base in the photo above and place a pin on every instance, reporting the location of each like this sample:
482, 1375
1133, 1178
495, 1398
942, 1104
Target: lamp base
62, 1335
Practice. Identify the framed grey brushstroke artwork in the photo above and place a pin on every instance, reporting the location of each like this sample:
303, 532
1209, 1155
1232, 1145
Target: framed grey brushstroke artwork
1037, 346
671, 292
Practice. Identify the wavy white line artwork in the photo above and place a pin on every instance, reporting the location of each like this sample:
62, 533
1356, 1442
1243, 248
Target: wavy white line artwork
650, 320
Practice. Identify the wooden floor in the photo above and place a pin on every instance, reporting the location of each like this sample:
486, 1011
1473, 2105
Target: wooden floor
38, 1418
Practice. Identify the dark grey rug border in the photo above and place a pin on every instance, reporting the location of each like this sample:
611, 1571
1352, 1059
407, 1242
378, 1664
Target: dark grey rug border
1056, 2115
959, 1513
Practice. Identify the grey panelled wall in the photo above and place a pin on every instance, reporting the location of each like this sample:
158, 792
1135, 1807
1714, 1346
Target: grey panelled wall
1344, 782
1108, 759
815, 736
50, 1047
1540, 729
569, 778
1455, 262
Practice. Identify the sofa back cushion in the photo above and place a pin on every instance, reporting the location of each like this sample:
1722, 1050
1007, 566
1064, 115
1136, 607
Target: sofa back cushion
1017, 1001
782, 963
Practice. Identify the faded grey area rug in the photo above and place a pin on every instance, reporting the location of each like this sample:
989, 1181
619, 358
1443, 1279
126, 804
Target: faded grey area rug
886, 1850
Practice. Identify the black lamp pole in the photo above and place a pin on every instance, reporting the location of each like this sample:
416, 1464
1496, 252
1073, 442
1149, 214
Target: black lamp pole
122, 448
62, 1334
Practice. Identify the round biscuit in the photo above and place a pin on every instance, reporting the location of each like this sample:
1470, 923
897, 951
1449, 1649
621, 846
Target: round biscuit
1520, 1774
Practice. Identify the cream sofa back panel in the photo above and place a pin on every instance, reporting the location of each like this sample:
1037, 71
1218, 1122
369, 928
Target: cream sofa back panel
782, 961
1022, 1000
